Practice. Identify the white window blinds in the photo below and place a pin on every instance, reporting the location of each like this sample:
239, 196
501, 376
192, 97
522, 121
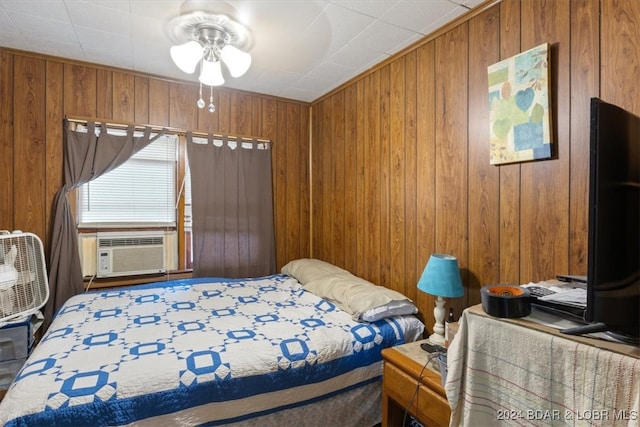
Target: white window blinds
141, 192
187, 198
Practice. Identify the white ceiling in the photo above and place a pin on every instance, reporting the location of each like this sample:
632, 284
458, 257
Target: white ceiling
301, 48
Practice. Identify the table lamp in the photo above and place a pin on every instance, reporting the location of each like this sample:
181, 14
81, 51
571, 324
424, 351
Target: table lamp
441, 278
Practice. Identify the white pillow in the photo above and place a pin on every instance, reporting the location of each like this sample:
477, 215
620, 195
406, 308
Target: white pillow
393, 308
308, 269
362, 299
365, 301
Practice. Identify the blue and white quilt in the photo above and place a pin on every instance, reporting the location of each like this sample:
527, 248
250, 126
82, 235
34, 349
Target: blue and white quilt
198, 351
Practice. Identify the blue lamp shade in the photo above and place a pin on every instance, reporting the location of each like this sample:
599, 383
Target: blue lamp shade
441, 277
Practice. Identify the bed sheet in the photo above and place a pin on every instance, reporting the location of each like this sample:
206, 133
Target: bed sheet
198, 351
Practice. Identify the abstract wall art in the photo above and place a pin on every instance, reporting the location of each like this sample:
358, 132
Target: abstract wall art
519, 107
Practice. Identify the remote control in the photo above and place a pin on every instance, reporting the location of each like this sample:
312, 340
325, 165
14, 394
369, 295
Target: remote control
539, 291
432, 348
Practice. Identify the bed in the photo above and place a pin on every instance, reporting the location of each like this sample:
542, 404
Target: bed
292, 348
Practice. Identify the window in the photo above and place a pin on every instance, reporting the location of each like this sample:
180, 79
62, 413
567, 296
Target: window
188, 223
139, 193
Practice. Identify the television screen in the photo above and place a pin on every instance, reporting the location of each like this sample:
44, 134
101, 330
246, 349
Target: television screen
613, 271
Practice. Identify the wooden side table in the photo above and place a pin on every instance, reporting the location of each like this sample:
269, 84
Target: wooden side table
403, 373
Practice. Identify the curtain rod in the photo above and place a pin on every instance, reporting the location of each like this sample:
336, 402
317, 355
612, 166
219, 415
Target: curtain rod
157, 128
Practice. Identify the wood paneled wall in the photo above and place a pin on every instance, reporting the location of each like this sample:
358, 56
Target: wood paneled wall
37, 92
400, 156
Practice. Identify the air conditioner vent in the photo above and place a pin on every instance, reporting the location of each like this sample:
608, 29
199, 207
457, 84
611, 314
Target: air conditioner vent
125, 254
131, 241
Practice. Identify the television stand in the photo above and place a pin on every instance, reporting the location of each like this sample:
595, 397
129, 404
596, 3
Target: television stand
490, 360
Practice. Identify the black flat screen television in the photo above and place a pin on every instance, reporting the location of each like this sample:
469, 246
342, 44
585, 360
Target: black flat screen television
613, 263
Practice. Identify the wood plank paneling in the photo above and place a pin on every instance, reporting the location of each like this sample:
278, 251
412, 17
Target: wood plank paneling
104, 94
241, 112
7, 164
373, 254
509, 246
80, 85
208, 121
396, 261
317, 218
30, 151
360, 148
432, 189
124, 97
585, 77
620, 53
484, 179
54, 149
351, 217
410, 178
279, 172
384, 178
544, 222
451, 60
301, 148
290, 173
159, 100
256, 116
426, 169
337, 180
223, 110
141, 100
182, 108
325, 175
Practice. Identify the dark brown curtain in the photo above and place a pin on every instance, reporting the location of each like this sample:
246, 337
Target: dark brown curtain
233, 234
86, 157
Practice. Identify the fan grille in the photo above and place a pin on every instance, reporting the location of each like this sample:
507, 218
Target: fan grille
24, 287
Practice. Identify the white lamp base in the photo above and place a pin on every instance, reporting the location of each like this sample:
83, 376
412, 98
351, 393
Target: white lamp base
438, 329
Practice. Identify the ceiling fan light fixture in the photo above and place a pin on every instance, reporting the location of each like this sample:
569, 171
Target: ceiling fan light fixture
186, 56
210, 39
237, 61
211, 73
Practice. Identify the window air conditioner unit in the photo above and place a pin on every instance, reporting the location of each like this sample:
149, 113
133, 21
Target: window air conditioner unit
126, 254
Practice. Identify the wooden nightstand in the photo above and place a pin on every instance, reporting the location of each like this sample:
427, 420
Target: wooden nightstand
401, 375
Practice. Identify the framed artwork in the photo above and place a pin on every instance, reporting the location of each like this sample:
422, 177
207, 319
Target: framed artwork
520, 120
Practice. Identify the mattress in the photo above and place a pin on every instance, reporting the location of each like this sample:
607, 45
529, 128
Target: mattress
199, 351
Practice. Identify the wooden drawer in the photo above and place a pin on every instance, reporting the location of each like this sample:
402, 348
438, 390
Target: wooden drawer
426, 405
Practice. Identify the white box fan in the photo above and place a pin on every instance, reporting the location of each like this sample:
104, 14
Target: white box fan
24, 287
